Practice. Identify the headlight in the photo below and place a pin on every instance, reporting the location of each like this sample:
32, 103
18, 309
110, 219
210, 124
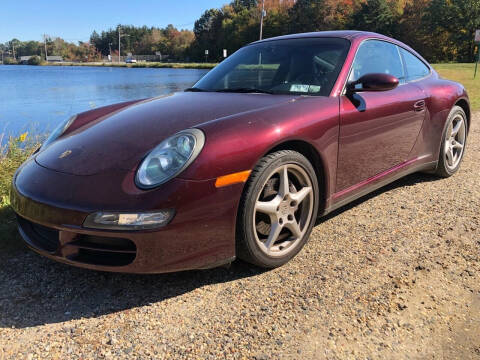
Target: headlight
58, 131
170, 158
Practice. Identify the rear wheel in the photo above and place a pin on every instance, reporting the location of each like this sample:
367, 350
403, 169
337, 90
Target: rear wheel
453, 143
277, 210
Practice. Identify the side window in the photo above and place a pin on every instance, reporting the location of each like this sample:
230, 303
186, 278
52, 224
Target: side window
416, 69
376, 56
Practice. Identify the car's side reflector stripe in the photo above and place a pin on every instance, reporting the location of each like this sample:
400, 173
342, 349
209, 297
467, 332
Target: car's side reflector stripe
234, 178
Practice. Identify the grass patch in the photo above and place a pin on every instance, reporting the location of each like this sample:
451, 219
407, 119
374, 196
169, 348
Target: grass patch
463, 73
12, 156
158, 65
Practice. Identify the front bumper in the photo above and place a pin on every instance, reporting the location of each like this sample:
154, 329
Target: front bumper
52, 206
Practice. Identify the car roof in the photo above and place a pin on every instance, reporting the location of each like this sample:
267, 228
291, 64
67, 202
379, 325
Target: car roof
351, 35
346, 34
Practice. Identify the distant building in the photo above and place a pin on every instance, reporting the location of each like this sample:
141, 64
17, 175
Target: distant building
24, 59
54, 59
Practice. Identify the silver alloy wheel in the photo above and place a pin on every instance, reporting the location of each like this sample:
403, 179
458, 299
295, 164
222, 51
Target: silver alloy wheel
283, 210
455, 142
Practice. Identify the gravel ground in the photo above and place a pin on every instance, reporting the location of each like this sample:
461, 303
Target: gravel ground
395, 275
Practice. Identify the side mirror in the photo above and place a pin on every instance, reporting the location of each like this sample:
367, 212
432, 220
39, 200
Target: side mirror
373, 82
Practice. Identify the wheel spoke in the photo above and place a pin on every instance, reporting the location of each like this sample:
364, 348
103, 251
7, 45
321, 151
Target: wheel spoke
447, 146
457, 145
302, 194
457, 127
273, 235
268, 207
449, 130
455, 157
450, 156
283, 188
294, 228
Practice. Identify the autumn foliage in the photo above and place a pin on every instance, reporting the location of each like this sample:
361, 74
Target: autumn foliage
441, 30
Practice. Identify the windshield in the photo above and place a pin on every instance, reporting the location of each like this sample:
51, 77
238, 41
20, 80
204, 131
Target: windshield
306, 66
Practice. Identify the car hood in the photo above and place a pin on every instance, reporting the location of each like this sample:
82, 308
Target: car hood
123, 136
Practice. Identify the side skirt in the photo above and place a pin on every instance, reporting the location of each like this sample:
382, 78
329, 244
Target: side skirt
385, 181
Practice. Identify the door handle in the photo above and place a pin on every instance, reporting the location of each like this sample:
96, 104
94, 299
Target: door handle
419, 105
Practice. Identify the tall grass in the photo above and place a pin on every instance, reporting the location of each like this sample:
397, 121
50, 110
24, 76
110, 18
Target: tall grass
12, 154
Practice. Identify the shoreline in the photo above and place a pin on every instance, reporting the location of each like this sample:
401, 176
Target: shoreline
155, 65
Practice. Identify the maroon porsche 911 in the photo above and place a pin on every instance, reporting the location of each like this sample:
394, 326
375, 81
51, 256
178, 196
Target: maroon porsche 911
240, 165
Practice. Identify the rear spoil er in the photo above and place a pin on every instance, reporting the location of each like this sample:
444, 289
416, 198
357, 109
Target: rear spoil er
365, 187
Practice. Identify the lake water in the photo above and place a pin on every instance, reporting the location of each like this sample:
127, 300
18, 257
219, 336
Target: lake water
37, 98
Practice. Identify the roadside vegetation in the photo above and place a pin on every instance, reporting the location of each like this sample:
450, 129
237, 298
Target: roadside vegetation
12, 155
35, 60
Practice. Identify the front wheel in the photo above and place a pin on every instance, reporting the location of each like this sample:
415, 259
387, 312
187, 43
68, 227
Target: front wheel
453, 144
277, 210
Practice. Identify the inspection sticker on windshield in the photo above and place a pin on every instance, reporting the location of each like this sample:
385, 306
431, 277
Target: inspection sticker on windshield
305, 88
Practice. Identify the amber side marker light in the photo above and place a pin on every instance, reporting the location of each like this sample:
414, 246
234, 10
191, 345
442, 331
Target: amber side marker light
234, 178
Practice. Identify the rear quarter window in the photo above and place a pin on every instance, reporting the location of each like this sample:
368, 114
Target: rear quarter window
376, 56
416, 69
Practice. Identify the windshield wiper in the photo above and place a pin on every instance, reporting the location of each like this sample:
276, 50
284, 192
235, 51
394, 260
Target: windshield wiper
194, 89
245, 90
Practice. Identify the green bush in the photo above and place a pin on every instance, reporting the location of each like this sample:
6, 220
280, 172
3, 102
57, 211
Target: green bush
35, 60
10, 61
12, 155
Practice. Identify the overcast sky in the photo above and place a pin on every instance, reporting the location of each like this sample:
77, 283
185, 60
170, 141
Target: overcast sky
75, 20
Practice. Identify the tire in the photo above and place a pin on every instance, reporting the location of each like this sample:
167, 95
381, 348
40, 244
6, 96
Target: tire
454, 141
275, 221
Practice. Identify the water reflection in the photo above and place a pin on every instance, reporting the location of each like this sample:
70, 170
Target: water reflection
35, 99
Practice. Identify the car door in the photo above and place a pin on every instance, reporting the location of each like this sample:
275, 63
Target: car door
377, 129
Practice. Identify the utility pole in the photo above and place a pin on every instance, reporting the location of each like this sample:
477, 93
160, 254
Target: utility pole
120, 35
45, 42
261, 19
119, 40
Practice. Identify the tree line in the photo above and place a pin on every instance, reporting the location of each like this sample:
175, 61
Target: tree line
441, 30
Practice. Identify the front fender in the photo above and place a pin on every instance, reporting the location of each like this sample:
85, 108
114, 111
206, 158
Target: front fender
236, 143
